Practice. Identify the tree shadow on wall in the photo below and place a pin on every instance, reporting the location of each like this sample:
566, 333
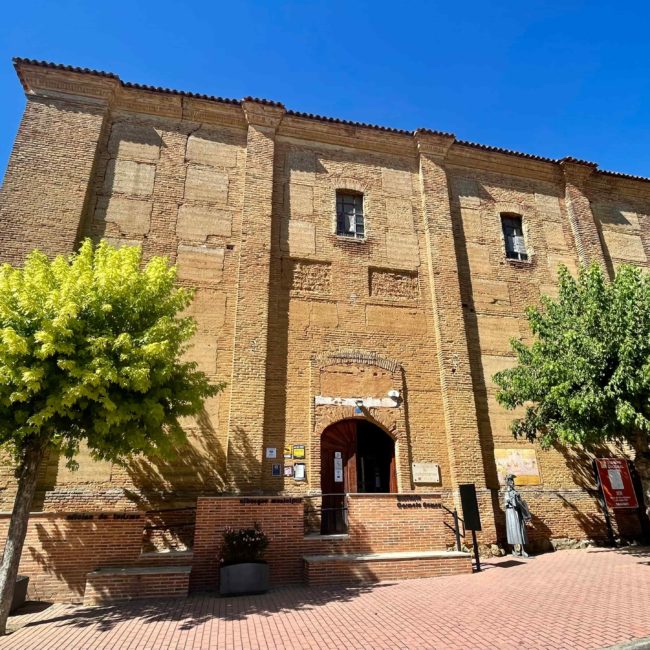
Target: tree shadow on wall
579, 464
196, 469
244, 466
63, 552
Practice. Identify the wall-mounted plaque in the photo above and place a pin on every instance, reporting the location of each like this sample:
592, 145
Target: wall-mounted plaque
288, 470
426, 473
299, 471
521, 462
276, 470
271, 452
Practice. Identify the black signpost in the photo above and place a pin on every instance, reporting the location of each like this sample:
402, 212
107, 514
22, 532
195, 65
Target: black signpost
471, 516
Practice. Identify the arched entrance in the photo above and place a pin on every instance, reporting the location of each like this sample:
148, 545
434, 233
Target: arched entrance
356, 456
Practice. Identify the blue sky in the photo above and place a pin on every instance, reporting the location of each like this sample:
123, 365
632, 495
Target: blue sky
549, 78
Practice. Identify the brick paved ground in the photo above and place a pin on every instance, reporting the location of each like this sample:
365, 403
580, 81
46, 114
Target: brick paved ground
590, 598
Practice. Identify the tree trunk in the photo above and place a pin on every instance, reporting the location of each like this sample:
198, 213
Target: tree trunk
642, 464
27, 474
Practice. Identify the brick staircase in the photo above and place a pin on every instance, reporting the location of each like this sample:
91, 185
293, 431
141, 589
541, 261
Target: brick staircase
359, 568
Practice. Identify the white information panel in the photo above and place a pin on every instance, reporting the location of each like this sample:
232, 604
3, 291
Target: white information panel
426, 473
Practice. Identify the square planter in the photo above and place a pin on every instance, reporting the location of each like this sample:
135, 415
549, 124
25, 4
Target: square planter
244, 578
20, 593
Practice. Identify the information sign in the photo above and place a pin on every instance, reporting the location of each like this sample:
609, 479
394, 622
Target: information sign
616, 481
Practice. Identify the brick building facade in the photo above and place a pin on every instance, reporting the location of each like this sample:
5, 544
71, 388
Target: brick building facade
345, 274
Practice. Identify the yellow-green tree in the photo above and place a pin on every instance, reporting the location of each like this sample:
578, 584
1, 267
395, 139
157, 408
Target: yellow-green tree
90, 350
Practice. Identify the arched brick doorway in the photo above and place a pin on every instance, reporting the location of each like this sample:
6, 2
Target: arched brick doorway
356, 456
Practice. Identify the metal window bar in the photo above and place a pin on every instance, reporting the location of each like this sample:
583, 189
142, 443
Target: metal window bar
349, 215
514, 238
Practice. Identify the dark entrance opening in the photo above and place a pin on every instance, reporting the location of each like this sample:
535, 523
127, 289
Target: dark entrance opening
356, 456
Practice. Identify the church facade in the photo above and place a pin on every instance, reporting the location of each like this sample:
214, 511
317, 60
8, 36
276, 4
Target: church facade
357, 288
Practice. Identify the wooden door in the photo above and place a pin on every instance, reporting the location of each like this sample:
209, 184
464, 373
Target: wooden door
338, 473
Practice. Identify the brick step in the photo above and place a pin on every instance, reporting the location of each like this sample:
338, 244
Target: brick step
110, 584
377, 567
164, 558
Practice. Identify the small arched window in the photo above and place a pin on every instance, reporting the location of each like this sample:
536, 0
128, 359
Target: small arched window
513, 235
349, 214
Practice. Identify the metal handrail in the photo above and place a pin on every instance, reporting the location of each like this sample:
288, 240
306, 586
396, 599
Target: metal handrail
456, 527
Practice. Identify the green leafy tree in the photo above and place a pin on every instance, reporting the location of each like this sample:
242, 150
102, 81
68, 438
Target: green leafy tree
585, 379
90, 350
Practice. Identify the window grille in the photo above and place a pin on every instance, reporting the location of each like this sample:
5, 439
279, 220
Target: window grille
513, 235
349, 215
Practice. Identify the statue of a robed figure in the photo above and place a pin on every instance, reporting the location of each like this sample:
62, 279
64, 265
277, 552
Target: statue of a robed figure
517, 516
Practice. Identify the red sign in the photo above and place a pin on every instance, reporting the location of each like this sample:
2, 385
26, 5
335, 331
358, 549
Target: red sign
616, 482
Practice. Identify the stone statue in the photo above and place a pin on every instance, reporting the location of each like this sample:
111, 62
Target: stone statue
517, 516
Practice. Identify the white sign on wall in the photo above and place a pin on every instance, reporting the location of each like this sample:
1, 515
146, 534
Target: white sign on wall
338, 470
426, 473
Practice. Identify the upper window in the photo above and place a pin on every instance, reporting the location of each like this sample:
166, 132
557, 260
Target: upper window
514, 237
349, 215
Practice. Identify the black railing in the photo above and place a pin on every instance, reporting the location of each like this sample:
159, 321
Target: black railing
178, 534
330, 517
456, 526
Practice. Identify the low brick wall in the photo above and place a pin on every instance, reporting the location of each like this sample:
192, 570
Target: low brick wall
281, 519
110, 585
60, 549
377, 523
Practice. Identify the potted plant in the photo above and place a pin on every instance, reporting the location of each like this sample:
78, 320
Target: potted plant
243, 569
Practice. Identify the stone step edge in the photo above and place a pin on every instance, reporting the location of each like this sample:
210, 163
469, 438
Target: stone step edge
107, 571
375, 557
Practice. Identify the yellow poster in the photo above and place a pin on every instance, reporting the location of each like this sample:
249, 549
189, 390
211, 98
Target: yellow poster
520, 462
299, 451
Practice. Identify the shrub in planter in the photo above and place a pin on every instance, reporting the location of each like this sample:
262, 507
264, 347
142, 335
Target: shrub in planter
243, 569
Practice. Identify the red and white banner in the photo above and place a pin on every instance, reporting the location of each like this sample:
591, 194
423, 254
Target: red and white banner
616, 481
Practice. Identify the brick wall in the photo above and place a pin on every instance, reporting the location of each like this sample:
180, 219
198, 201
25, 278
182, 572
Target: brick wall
59, 551
108, 586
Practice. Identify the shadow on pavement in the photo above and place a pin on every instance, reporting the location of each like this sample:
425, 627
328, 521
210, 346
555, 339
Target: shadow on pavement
194, 610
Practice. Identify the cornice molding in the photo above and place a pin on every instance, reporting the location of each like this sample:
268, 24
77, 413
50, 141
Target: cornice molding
100, 89
577, 172
263, 115
152, 103
467, 157
346, 136
433, 144
74, 86
206, 111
